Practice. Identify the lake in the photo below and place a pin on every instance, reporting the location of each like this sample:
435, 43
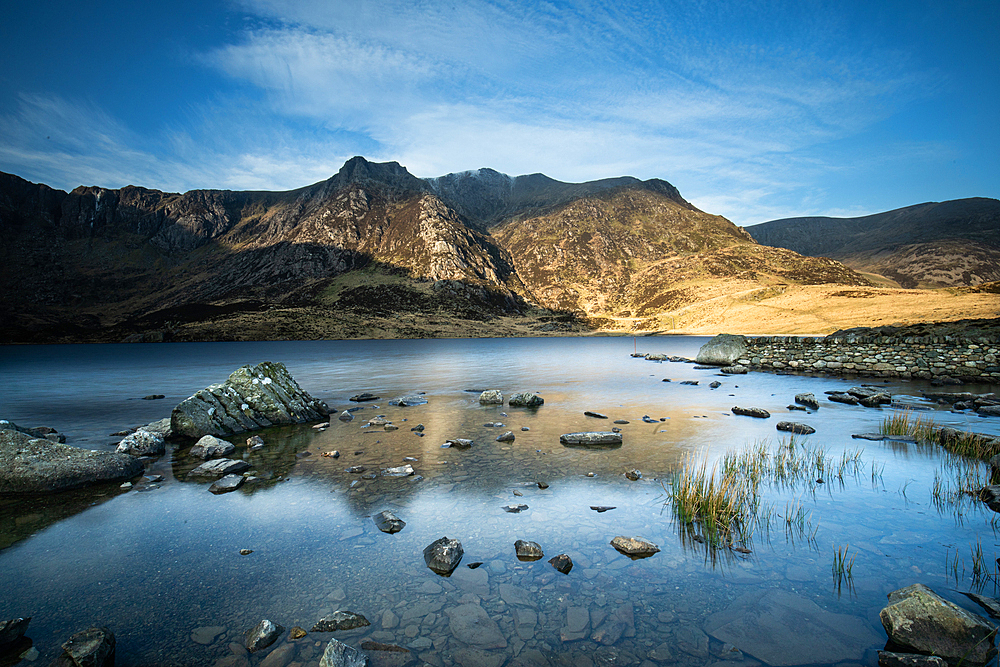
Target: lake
159, 562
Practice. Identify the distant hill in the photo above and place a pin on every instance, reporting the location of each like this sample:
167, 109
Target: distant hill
935, 244
376, 252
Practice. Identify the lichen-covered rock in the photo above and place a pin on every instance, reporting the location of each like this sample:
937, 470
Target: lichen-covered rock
340, 620
808, 400
36, 465
723, 350
491, 397
920, 620
253, 397
142, 443
525, 400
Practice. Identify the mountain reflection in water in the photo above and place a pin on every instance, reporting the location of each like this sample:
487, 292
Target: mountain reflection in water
157, 562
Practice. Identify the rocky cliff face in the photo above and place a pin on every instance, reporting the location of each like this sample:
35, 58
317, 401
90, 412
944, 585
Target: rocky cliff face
373, 241
935, 244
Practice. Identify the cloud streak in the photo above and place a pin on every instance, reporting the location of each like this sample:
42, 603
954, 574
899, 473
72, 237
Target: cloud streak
737, 104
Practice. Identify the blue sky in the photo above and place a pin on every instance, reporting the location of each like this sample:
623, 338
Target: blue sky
754, 110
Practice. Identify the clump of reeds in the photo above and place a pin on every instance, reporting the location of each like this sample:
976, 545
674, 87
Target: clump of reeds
902, 422
725, 502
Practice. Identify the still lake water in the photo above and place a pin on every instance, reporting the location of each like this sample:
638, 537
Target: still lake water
157, 562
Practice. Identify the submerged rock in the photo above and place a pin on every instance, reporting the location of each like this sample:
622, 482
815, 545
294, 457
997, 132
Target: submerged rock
253, 397
36, 465
795, 427
506, 436
398, 471
408, 401
340, 620
460, 443
808, 400
255, 442
893, 659
443, 555
364, 396
525, 400
634, 547
918, 619
93, 647
262, 635
723, 350
592, 439
514, 509
470, 624
388, 522
759, 413
782, 628
338, 654
210, 447
227, 484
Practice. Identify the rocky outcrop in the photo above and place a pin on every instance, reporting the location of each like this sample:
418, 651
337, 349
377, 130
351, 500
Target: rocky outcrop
253, 397
340, 620
920, 620
723, 350
34, 465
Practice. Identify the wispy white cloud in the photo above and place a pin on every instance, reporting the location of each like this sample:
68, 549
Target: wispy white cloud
732, 102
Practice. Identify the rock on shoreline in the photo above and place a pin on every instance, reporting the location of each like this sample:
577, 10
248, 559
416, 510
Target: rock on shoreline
253, 397
36, 465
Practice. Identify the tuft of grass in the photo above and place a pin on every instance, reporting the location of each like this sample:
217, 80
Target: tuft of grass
902, 422
843, 567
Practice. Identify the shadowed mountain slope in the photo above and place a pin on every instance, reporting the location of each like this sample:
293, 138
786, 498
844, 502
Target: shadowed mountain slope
375, 251
934, 244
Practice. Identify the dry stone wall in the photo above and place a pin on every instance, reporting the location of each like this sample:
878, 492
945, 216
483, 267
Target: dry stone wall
966, 359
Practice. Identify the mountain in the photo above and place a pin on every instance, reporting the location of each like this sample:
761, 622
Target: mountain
935, 244
376, 252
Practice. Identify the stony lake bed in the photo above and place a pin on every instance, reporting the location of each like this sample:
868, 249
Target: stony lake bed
179, 574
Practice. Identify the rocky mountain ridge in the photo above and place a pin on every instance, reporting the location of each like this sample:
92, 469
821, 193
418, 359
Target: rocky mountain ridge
934, 244
373, 242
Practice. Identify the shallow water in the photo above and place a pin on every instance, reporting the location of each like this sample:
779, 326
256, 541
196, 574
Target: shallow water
157, 562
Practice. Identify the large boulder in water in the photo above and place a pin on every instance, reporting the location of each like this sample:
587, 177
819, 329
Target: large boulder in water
253, 397
36, 465
723, 350
921, 621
